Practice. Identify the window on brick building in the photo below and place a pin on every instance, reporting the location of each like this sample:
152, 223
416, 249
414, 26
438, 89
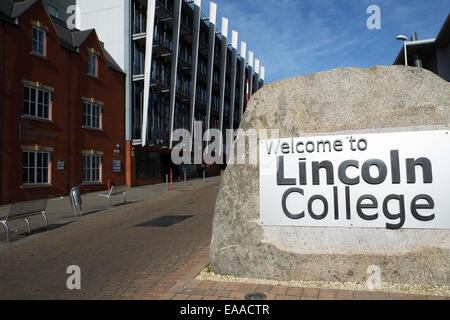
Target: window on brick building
92, 114
53, 11
37, 103
39, 42
35, 167
92, 168
93, 65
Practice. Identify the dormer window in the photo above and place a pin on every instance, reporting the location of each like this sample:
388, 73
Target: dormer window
93, 64
53, 11
39, 45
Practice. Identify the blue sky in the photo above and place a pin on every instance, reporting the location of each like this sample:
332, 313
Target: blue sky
296, 37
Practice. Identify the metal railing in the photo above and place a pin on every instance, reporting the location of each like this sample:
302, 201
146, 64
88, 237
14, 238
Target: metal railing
161, 80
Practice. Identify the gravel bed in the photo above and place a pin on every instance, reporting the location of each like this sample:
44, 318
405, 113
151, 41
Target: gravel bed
442, 291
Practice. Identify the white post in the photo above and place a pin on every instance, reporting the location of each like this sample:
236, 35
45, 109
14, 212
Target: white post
251, 56
406, 54
242, 87
151, 9
210, 71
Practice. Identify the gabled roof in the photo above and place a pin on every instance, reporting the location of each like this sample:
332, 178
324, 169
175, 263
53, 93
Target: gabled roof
111, 62
64, 35
74, 39
20, 7
69, 39
6, 8
13, 9
78, 37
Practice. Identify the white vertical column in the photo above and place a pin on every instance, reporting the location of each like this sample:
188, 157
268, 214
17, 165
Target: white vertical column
127, 67
174, 69
263, 75
211, 44
223, 69
234, 39
242, 86
151, 6
251, 57
257, 65
234, 44
195, 45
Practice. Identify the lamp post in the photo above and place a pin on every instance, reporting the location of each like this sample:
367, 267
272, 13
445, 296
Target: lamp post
404, 39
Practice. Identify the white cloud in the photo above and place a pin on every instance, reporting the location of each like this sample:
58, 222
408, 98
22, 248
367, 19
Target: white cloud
293, 37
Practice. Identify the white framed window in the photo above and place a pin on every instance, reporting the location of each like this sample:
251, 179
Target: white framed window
39, 42
37, 103
35, 167
93, 65
92, 168
92, 115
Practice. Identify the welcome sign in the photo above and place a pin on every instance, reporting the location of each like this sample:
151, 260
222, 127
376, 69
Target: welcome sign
382, 180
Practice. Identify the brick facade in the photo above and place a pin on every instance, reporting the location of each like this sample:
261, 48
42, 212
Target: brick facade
64, 73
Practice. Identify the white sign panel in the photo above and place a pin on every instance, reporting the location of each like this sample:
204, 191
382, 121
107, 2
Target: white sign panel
383, 180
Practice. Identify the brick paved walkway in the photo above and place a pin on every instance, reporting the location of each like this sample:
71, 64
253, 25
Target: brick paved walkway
60, 212
121, 260
118, 259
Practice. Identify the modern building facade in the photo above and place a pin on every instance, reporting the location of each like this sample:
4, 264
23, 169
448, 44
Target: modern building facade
431, 54
62, 110
180, 68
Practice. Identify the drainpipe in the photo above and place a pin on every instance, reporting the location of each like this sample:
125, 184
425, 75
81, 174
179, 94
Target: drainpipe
2, 90
69, 125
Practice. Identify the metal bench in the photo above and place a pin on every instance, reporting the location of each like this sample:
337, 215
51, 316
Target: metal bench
116, 191
25, 210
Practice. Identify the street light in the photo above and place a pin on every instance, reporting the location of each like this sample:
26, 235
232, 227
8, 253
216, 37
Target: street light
404, 39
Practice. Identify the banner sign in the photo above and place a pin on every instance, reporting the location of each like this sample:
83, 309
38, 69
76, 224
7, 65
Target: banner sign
383, 180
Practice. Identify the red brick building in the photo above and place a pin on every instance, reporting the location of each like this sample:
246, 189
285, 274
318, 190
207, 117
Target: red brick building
62, 113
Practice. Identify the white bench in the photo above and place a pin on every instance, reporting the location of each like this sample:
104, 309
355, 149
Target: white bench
114, 192
25, 210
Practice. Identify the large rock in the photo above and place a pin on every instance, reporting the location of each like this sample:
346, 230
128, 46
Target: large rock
330, 102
